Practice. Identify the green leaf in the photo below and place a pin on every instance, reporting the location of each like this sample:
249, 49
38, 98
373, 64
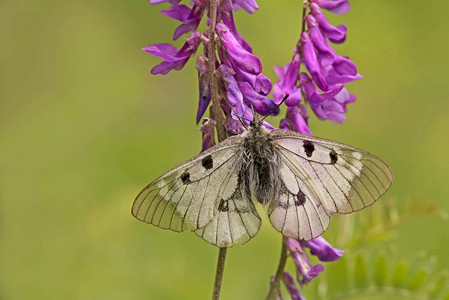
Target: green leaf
381, 270
400, 273
418, 280
360, 271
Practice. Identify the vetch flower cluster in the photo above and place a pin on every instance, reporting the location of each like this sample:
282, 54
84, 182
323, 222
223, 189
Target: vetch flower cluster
322, 85
243, 86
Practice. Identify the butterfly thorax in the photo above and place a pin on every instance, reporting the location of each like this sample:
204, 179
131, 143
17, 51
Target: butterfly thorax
258, 172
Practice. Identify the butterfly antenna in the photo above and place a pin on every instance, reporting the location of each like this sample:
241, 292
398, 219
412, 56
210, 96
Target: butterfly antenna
276, 108
241, 119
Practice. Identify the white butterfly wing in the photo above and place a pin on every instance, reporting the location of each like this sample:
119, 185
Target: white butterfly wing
188, 198
236, 222
321, 177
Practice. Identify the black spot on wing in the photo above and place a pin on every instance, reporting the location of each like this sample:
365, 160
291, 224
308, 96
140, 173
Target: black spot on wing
334, 157
300, 198
308, 148
186, 178
207, 162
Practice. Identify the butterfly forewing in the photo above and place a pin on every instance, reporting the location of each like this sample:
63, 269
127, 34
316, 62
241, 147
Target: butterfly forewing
185, 198
342, 178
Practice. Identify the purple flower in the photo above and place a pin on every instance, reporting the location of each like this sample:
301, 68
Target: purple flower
207, 131
335, 6
333, 77
262, 104
228, 20
174, 59
233, 124
288, 77
297, 119
239, 56
337, 34
203, 84
323, 250
190, 17
235, 97
248, 5
325, 52
318, 247
289, 283
307, 271
311, 61
325, 105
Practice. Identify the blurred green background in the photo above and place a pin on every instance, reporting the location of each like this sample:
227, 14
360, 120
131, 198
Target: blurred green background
84, 127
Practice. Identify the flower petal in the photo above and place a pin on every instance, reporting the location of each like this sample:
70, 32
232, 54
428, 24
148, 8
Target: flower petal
335, 6
245, 60
204, 91
326, 55
235, 97
250, 6
207, 131
311, 61
261, 104
337, 34
290, 284
298, 118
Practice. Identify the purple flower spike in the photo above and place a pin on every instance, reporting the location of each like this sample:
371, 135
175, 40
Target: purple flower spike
325, 52
204, 91
287, 85
174, 59
240, 57
250, 6
336, 6
163, 1
303, 263
311, 61
235, 97
337, 34
323, 250
207, 130
289, 283
298, 118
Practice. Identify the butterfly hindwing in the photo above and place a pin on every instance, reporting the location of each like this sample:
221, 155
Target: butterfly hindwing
341, 178
297, 211
187, 197
236, 222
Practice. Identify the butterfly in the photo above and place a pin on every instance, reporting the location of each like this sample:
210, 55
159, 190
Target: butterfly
301, 180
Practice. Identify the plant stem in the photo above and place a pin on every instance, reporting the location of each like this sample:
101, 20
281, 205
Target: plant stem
275, 285
212, 45
219, 273
221, 131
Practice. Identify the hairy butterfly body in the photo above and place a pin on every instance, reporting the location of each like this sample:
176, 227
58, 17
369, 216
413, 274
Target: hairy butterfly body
302, 180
